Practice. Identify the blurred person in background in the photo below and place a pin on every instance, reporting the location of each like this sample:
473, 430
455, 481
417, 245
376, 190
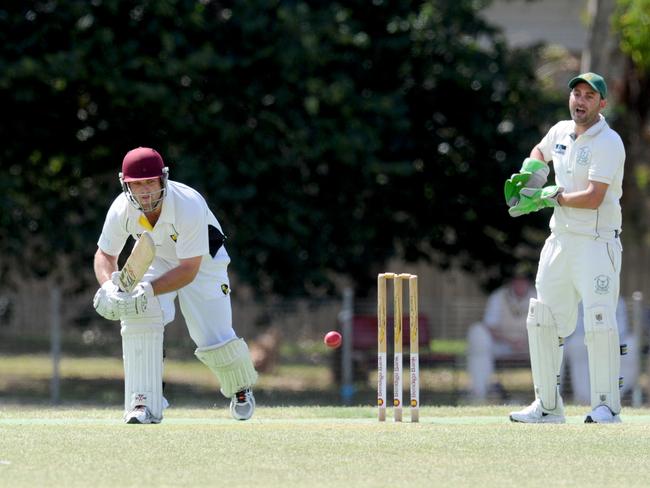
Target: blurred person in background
501, 333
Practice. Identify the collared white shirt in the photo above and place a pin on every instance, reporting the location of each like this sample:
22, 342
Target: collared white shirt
181, 231
596, 155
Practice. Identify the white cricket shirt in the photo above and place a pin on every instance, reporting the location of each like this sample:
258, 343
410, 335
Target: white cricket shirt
596, 155
181, 231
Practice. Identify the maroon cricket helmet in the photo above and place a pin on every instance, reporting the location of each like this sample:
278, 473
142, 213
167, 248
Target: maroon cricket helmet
142, 163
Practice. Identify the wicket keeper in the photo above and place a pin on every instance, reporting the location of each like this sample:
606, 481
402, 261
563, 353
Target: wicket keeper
581, 259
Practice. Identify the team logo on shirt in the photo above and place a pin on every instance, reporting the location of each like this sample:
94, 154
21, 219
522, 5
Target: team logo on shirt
584, 156
225, 289
559, 149
601, 284
174, 237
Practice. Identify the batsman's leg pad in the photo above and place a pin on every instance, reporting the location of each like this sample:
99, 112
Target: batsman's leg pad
142, 352
232, 365
601, 337
546, 349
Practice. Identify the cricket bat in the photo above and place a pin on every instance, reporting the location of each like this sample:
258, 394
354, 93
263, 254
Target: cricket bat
137, 263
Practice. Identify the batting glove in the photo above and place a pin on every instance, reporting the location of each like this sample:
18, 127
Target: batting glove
135, 303
105, 301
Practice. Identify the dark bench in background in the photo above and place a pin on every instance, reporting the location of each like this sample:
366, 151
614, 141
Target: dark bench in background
364, 346
364, 352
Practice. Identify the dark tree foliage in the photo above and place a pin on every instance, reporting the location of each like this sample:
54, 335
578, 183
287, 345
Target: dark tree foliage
327, 136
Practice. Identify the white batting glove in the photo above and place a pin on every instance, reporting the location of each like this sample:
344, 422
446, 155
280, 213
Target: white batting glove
135, 303
105, 301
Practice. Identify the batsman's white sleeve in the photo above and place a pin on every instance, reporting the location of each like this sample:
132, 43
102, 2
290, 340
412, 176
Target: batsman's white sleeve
114, 233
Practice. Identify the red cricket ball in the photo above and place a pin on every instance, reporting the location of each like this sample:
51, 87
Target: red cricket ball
332, 339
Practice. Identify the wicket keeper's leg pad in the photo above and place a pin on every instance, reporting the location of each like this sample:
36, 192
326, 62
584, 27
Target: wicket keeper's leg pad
546, 348
603, 349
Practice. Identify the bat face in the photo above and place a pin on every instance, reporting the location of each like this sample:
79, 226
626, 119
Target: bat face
138, 262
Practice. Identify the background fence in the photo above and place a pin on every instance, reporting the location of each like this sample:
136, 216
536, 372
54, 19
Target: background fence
451, 300
41, 317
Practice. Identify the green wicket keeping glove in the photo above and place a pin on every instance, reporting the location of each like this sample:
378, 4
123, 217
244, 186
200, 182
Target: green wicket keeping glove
533, 199
533, 174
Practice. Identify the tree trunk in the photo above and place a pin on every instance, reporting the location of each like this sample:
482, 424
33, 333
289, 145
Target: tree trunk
602, 53
628, 109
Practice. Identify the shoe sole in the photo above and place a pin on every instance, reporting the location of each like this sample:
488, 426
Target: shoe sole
236, 416
544, 420
241, 418
590, 420
137, 422
134, 420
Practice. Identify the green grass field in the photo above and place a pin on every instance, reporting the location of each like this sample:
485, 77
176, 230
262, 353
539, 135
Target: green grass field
318, 446
314, 444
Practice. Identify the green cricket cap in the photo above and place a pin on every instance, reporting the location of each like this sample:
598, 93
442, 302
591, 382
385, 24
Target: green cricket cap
594, 80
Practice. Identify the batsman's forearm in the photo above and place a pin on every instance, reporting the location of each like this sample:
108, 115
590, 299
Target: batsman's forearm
173, 280
104, 265
178, 277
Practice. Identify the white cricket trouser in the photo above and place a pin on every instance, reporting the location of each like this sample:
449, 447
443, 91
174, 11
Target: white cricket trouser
482, 351
574, 267
205, 302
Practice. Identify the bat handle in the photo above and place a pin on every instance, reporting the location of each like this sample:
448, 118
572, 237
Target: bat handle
115, 278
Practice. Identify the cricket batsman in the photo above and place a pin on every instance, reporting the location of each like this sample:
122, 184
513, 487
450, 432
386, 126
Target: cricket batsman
581, 259
190, 264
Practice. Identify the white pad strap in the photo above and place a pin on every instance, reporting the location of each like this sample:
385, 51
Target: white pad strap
546, 349
231, 363
601, 338
142, 351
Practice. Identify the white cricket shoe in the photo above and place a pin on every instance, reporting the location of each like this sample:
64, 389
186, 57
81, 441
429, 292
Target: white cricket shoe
242, 404
602, 415
535, 414
140, 415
